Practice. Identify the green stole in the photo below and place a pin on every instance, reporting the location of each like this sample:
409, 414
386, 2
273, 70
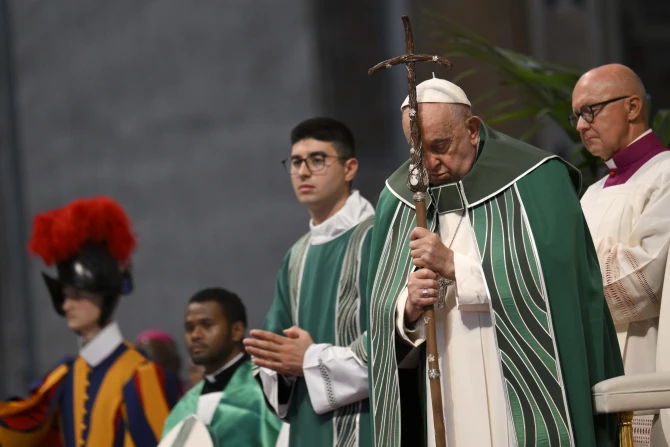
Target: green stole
553, 331
319, 289
348, 330
241, 418
347, 324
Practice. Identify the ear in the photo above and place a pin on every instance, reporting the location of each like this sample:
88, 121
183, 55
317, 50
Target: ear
635, 108
237, 331
474, 124
350, 169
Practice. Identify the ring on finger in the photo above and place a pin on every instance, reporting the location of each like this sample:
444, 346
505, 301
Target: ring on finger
425, 293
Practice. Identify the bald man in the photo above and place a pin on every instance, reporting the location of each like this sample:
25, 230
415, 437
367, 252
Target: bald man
628, 211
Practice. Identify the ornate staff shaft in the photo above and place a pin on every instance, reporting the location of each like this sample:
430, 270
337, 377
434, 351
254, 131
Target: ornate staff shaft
417, 182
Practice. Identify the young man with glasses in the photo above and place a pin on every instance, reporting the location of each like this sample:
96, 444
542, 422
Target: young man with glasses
311, 354
628, 211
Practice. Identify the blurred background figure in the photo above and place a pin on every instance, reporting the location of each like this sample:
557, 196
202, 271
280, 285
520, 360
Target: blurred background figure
109, 393
161, 348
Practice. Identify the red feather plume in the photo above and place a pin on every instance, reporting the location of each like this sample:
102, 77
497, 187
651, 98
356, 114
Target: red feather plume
60, 234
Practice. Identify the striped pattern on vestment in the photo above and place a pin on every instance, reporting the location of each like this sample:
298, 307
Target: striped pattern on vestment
348, 328
523, 330
395, 266
347, 318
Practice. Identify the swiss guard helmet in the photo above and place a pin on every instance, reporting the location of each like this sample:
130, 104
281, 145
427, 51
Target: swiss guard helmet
90, 242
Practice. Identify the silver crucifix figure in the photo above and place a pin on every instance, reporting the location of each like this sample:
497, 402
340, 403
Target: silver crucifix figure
444, 284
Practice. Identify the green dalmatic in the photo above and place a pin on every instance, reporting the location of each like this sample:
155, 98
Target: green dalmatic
319, 289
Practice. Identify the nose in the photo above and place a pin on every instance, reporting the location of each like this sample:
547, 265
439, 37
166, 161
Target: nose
196, 334
67, 304
430, 162
582, 124
303, 170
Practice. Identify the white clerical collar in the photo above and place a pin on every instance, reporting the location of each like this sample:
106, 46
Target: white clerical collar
354, 211
102, 345
611, 164
211, 378
641, 136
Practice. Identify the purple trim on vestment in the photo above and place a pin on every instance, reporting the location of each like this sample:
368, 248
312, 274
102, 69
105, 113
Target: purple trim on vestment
630, 159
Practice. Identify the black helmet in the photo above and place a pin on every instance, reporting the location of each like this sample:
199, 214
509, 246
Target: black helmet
90, 242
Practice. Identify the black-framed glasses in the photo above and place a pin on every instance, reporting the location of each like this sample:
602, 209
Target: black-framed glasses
587, 112
314, 162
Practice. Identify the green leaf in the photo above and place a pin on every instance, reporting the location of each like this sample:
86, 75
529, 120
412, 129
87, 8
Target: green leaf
539, 89
661, 126
513, 115
464, 74
502, 105
489, 94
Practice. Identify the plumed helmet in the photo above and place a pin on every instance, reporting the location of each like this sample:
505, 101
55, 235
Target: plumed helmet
90, 241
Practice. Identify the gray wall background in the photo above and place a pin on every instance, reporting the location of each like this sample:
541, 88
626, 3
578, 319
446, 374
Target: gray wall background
181, 111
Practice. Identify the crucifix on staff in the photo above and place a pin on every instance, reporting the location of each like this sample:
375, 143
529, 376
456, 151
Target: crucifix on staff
417, 182
470, 250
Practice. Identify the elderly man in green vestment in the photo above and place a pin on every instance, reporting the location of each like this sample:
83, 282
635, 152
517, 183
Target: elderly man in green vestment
523, 329
228, 401
311, 353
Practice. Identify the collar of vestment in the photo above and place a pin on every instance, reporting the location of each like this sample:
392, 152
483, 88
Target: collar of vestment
102, 345
630, 159
218, 380
354, 211
501, 161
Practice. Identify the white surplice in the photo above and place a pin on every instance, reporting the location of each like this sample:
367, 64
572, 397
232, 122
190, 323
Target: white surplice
475, 408
630, 226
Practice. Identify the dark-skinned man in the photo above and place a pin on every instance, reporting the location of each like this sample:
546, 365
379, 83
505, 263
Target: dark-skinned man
228, 401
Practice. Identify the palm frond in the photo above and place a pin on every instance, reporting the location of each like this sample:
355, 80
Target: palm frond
661, 126
540, 89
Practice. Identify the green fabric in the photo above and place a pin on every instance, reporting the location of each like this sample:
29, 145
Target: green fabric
242, 417
523, 331
589, 351
504, 160
390, 264
561, 270
318, 289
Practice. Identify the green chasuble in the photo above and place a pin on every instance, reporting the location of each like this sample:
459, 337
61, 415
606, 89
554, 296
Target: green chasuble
241, 418
553, 331
319, 289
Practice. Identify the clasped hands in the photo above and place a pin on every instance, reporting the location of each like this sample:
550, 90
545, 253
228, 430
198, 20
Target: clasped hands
434, 259
285, 355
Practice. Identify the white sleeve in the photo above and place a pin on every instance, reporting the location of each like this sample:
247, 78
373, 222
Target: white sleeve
335, 377
633, 270
471, 293
413, 336
274, 387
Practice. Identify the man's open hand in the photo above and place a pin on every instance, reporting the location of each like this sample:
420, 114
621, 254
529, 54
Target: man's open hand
285, 355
